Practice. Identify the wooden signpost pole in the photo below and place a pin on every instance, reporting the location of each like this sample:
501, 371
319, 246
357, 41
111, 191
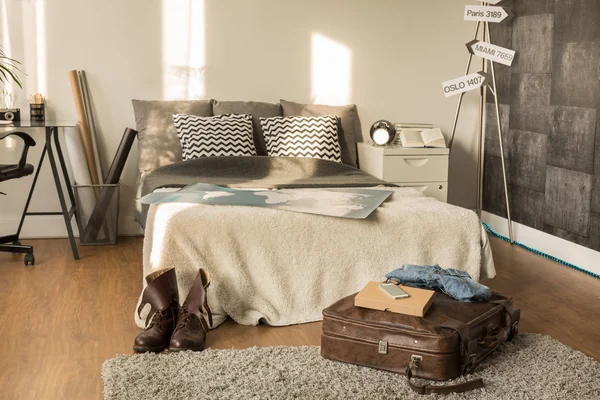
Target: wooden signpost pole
481, 137
489, 54
498, 121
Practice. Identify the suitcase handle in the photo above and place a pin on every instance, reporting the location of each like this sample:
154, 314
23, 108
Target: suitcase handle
429, 389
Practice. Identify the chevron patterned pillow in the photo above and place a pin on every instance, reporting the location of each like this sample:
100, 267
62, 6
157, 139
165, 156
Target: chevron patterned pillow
221, 135
313, 137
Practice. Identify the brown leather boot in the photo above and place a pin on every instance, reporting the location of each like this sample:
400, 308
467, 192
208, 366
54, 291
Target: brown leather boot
163, 297
191, 330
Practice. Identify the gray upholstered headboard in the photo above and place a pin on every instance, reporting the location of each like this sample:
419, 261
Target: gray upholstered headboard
159, 145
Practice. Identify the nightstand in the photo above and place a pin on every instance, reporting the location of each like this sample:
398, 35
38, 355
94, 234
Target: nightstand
425, 169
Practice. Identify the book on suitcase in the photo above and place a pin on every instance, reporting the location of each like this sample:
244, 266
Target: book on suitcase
417, 303
449, 341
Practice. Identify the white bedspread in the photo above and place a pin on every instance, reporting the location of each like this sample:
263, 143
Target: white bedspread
285, 268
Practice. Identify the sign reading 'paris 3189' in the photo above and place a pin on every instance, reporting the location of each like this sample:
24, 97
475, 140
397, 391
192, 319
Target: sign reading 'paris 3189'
487, 13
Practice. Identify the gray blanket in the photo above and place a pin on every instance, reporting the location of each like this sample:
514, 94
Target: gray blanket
256, 172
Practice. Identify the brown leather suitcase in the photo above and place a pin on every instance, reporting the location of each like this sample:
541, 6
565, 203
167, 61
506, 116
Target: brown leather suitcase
449, 341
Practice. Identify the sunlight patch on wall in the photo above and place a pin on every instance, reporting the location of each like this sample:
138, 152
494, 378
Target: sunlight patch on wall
183, 49
40, 46
9, 142
331, 70
5, 34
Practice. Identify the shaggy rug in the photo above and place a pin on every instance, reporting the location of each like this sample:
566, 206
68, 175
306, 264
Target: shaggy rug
531, 367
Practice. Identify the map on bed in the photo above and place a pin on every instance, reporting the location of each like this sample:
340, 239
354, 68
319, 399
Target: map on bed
335, 202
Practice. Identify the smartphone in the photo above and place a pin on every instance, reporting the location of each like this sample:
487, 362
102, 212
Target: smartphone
393, 291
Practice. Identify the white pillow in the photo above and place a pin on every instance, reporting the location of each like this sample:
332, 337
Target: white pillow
221, 135
313, 137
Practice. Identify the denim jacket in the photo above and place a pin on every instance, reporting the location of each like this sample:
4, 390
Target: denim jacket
456, 284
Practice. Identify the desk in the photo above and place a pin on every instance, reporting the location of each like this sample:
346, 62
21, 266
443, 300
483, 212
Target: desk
66, 211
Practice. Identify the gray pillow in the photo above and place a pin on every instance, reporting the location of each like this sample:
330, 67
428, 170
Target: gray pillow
255, 108
349, 129
158, 143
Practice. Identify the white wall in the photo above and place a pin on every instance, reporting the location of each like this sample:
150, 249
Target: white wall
387, 56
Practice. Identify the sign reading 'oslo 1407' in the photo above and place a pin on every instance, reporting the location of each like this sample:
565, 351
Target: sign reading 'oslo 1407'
486, 13
464, 83
491, 52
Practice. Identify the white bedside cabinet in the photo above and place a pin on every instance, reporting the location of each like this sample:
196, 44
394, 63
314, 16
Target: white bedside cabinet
425, 169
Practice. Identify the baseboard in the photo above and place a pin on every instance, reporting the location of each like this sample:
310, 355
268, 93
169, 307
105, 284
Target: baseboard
562, 249
53, 226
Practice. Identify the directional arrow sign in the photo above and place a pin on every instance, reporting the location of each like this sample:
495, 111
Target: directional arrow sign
487, 13
465, 83
491, 52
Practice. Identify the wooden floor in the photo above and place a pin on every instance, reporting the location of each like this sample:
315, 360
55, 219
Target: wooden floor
62, 318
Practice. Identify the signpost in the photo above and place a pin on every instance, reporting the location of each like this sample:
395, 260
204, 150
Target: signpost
487, 13
491, 52
465, 83
481, 46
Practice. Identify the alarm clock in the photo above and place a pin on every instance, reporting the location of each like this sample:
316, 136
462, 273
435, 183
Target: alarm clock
383, 132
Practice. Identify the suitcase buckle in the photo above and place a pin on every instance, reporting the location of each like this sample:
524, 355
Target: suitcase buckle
514, 331
415, 361
383, 347
471, 363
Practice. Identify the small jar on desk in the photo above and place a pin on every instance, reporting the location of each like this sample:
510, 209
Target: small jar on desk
425, 169
37, 109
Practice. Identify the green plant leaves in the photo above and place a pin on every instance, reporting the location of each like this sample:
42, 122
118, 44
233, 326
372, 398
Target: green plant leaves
9, 68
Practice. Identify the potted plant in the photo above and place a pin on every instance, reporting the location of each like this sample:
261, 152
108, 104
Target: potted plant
9, 67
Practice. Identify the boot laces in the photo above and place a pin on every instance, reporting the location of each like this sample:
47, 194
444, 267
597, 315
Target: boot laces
184, 317
161, 314
156, 318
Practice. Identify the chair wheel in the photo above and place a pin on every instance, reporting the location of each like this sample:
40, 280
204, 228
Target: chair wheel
29, 258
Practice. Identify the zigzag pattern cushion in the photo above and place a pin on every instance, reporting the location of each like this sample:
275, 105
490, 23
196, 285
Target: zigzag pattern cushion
313, 137
221, 135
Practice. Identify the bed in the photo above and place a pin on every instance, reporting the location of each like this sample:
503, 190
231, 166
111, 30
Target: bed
276, 266
281, 267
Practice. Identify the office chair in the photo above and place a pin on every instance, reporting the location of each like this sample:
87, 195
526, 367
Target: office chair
10, 243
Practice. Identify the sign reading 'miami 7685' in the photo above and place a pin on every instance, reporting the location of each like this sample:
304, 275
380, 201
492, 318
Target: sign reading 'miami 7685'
491, 52
464, 83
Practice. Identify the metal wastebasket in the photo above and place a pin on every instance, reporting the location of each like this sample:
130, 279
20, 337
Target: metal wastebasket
98, 213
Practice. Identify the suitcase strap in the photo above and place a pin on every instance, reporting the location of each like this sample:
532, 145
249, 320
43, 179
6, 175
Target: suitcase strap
429, 389
470, 345
512, 317
469, 349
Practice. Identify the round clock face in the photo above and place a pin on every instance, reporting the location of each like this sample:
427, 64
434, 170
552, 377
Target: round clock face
381, 136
